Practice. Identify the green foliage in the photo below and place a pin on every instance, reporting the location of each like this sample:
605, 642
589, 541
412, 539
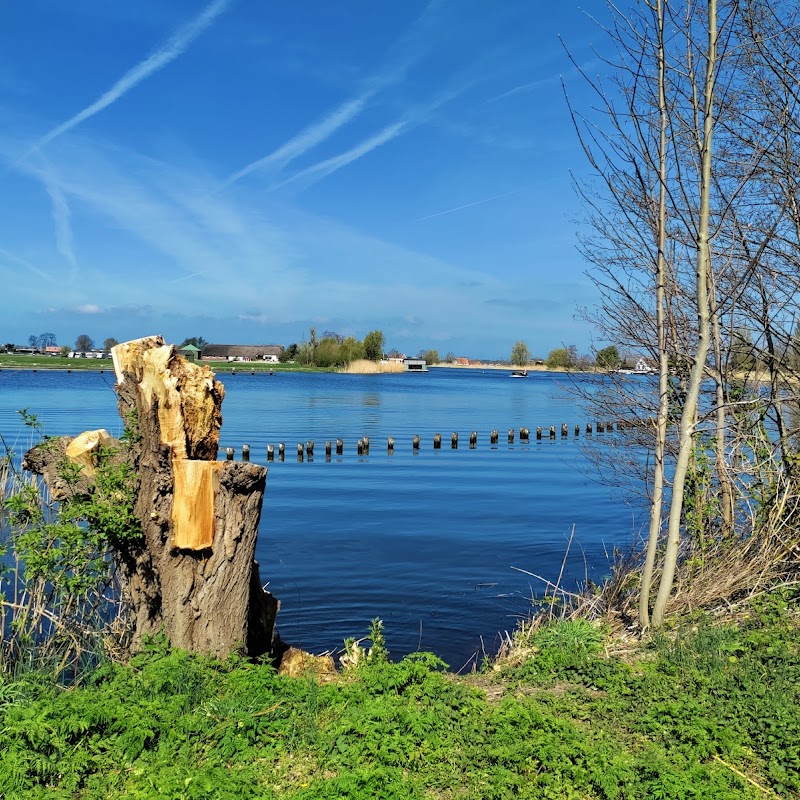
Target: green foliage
289, 353
431, 356
328, 353
607, 358
561, 358
55, 598
520, 355
688, 719
373, 345
351, 350
108, 510
356, 655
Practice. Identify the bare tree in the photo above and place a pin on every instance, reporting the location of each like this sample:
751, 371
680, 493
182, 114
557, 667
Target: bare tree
84, 343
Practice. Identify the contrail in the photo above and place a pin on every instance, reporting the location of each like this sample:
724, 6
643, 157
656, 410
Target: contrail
309, 137
186, 277
324, 168
318, 132
174, 47
468, 205
330, 165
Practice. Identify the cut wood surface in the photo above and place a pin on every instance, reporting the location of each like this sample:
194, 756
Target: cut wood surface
192, 574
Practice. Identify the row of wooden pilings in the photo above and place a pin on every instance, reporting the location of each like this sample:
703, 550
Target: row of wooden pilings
362, 447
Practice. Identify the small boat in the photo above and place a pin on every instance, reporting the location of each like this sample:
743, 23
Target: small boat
519, 373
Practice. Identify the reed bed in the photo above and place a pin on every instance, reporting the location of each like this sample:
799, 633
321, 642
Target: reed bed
362, 366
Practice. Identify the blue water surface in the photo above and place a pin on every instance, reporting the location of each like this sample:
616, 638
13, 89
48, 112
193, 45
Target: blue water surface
425, 540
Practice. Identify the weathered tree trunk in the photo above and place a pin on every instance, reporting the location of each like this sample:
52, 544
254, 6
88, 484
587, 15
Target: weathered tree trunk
193, 573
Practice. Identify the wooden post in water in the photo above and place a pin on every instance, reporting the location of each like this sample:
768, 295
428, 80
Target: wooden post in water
473, 440
552, 431
415, 443
524, 434
281, 451
390, 445
310, 450
588, 428
270, 453
494, 437
454, 441
564, 429
360, 447
229, 454
601, 427
299, 452
577, 430
328, 449
245, 452
366, 445
539, 432
437, 441
511, 436
339, 447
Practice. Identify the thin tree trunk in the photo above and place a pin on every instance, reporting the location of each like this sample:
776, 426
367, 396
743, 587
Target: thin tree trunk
723, 473
657, 498
689, 415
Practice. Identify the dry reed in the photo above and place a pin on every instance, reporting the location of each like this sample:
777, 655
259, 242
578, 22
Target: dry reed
362, 366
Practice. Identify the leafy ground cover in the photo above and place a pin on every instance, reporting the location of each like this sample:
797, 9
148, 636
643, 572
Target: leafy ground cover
709, 711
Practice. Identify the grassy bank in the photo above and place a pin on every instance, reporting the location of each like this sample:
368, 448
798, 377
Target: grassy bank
707, 712
12, 361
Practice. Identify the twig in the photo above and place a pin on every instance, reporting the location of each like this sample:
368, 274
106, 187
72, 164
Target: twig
745, 777
561, 571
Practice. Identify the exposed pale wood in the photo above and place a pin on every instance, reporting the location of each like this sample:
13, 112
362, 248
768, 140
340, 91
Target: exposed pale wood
193, 573
196, 486
83, 449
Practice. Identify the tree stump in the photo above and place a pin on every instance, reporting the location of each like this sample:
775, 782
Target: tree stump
192, 574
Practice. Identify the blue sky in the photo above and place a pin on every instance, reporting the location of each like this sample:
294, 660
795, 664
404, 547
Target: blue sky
242, 170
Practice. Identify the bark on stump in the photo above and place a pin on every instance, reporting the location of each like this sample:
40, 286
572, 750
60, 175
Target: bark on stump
193, 573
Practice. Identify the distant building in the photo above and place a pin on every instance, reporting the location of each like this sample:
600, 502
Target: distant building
415, 364
462, 362
242, 352
190, 352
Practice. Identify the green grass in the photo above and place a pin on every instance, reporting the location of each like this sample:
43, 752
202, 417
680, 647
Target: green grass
709, 713
13, 361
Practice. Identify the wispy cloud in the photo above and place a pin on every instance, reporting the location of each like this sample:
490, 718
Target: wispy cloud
173, 48
61, 218
329, 165
186, 277
412, 119
466, 205
90, 308
309, 137
10, 258
405, 53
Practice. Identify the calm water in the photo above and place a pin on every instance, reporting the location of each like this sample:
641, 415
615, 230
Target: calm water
425, 540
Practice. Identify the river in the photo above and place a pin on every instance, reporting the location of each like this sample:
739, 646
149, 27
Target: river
426, 540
